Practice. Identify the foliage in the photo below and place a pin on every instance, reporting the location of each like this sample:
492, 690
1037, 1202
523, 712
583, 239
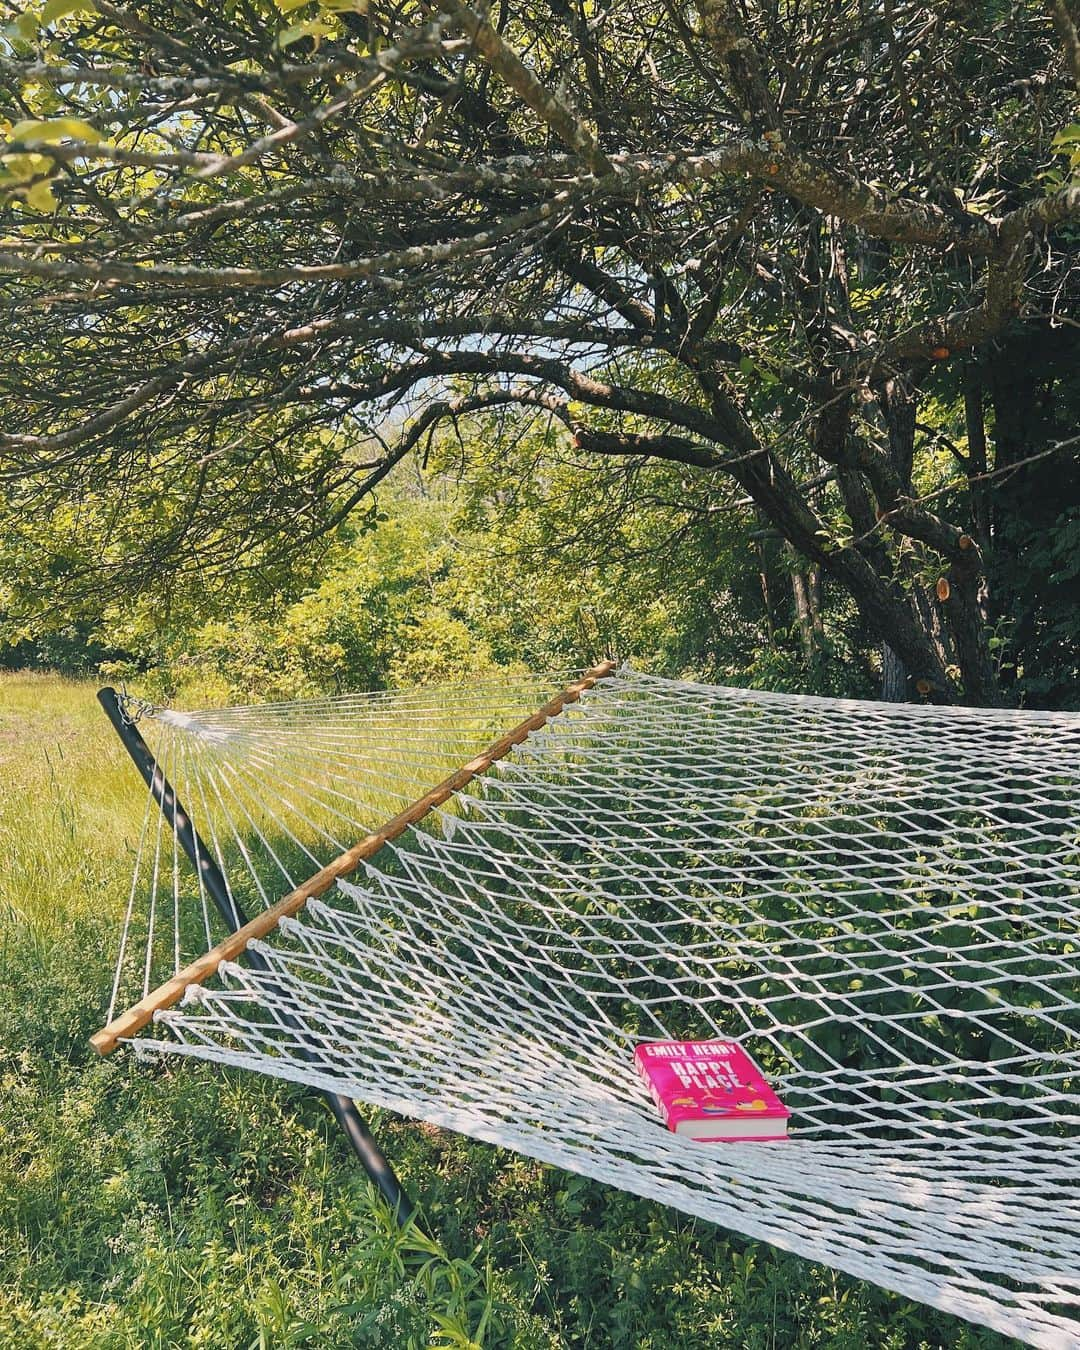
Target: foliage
154, 1206
780, 247
495, 566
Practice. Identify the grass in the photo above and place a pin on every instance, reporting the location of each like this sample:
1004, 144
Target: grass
179, 1205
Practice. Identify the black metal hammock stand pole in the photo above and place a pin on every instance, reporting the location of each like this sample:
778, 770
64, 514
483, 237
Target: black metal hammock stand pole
344, 1109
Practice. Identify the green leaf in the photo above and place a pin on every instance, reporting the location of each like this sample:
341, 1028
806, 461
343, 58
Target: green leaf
22, 168
40, 196
25, 26
55, 129
60, 9
315, 29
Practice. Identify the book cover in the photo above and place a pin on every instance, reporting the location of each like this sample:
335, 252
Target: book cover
711, 1091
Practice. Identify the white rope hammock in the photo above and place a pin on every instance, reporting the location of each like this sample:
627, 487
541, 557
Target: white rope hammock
879, 901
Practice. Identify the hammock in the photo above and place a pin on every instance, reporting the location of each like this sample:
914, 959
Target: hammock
878, 901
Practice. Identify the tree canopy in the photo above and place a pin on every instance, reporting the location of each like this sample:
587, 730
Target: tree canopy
811, 260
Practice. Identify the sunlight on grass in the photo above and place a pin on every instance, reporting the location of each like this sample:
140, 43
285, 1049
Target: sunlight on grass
72, 809
70, 803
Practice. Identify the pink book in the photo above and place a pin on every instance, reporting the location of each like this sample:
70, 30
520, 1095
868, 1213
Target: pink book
711, 1091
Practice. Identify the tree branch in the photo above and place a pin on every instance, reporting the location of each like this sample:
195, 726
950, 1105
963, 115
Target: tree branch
516, 75
1067, 23
674, 448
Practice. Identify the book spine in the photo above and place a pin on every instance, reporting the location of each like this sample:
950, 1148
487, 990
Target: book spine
654, 1091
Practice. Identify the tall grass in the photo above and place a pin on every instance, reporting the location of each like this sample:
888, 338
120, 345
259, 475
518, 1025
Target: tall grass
169, 1206
69, 803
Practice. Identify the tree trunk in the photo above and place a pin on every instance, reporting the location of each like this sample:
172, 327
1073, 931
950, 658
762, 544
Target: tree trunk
893, 677
975, 425
1032, 382
766, 594
813, 584
953, 612
881, 603
804, 617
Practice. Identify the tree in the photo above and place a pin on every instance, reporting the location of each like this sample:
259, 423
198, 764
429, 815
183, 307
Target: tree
778, 245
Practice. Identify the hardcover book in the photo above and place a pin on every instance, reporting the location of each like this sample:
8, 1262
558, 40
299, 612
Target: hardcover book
711, 1091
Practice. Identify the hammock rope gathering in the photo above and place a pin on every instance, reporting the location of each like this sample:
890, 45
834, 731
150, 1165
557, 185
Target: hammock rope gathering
879, 902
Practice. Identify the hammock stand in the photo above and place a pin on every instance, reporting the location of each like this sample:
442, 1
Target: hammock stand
245, 930
360, 1138
879, 900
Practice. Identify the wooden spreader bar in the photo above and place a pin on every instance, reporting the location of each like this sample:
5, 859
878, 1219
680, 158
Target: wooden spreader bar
169, 993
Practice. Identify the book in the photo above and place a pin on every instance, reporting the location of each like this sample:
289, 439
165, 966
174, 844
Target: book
711, 1091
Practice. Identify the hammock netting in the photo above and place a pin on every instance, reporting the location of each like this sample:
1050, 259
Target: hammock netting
878, 901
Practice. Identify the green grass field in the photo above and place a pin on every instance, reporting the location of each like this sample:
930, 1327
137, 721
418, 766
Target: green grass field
183, 1206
